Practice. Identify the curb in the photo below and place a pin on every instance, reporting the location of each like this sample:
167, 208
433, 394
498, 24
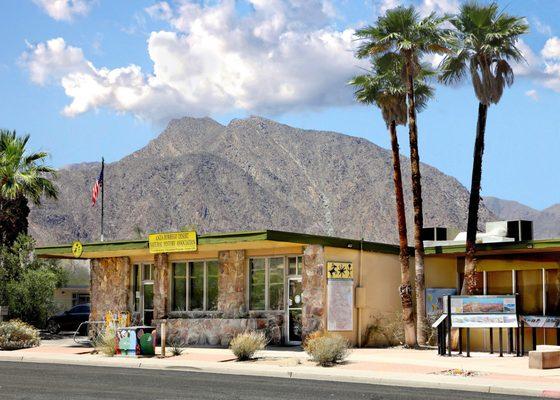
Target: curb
291, 374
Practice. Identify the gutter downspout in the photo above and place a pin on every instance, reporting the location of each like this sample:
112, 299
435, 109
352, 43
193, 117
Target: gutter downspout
359, 313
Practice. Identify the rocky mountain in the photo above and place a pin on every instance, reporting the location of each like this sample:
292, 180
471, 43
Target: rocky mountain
546, 223
252, 174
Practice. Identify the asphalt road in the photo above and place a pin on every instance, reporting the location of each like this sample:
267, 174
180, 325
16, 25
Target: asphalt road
19, 380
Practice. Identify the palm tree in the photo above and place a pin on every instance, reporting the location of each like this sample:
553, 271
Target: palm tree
401, 31
23, 177
384, 87
486, 44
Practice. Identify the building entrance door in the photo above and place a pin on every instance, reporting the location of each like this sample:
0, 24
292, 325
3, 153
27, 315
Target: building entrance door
294, 310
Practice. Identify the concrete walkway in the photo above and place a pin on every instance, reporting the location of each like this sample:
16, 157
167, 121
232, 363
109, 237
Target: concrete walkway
415, 368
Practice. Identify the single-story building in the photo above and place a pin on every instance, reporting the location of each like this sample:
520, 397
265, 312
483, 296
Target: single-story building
291, 284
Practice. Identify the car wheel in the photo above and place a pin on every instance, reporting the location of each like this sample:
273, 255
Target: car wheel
53, 327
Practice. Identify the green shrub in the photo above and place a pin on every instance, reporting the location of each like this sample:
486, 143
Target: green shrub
177, 346
326, 348
106, 342
245, 345
16, 334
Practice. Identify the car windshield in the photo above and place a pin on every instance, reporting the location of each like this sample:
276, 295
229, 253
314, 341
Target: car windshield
80, 309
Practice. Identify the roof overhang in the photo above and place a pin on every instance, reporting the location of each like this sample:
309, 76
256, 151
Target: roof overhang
216, 241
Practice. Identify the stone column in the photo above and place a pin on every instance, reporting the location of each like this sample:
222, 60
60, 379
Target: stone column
314, 290
161, 285
110, 286
231, 283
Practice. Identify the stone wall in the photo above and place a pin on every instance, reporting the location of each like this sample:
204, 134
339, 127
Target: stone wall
161, 285
314, 290
220, 331
110, 286
231, 283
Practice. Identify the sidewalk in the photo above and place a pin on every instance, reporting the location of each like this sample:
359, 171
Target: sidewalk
416, 368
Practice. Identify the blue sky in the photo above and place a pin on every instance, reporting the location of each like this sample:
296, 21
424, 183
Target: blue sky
90, 78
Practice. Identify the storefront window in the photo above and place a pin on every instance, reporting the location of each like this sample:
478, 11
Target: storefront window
294, 265
530, 289
266, 291
179, 300
257, 283
276, 283
212, 273
553, 292
197, 282
499, 282
136, 282
196, 286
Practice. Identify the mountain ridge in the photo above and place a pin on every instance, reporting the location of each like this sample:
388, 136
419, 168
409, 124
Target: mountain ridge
253, 173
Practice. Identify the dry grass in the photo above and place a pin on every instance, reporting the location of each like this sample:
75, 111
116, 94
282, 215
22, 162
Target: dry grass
16, 334
245, 345
326, 349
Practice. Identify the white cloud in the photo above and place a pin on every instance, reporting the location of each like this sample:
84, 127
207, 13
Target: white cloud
533, 94
439, 6
551, 49
541, 27
282, 56
65, 10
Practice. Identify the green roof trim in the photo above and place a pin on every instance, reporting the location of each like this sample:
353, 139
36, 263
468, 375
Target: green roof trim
541, 244
228, 237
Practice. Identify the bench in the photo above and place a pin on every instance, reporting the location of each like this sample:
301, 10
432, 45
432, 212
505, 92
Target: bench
545, 357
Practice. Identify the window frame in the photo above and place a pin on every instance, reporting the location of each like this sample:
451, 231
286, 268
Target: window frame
267, 258
188, 286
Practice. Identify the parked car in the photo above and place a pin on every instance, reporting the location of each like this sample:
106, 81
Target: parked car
69, 320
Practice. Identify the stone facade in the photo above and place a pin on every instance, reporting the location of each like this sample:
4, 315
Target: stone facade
220, 331
314, 290
110, 286
231, 283
161, 285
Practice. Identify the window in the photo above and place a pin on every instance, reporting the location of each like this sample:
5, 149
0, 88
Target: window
295, 265
499, 282
266, 283
195, 286
80, 298
530, 289
553, 292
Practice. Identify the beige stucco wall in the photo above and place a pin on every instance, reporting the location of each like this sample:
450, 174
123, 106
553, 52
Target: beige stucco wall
380, 279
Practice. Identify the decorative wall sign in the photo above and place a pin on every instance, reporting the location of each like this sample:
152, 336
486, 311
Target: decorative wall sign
77, 249
171, 242
340, 270
340, 304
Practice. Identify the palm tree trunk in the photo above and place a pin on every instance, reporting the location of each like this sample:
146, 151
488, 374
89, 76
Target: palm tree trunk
405, 289
470, 283
417, 204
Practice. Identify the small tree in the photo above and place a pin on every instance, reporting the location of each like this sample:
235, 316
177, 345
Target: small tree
28, 283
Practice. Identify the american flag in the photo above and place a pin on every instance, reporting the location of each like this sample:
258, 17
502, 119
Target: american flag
97, 185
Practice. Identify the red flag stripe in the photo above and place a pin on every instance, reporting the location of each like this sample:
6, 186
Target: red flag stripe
94, 192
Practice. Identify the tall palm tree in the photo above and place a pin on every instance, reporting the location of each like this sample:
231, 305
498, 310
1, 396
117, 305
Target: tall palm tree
23, 177
384, 87
486, 44
403, 32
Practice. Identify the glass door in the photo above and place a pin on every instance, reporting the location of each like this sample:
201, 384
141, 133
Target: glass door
294, 310
148, 293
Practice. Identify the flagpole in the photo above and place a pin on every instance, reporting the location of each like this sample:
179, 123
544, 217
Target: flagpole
102, 190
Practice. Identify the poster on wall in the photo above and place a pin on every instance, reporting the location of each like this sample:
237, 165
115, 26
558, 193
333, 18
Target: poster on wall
340, 304
434, 300
537, 321
483, 305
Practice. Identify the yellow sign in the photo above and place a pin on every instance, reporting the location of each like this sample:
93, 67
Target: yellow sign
77, 249
172, 242
340, 270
